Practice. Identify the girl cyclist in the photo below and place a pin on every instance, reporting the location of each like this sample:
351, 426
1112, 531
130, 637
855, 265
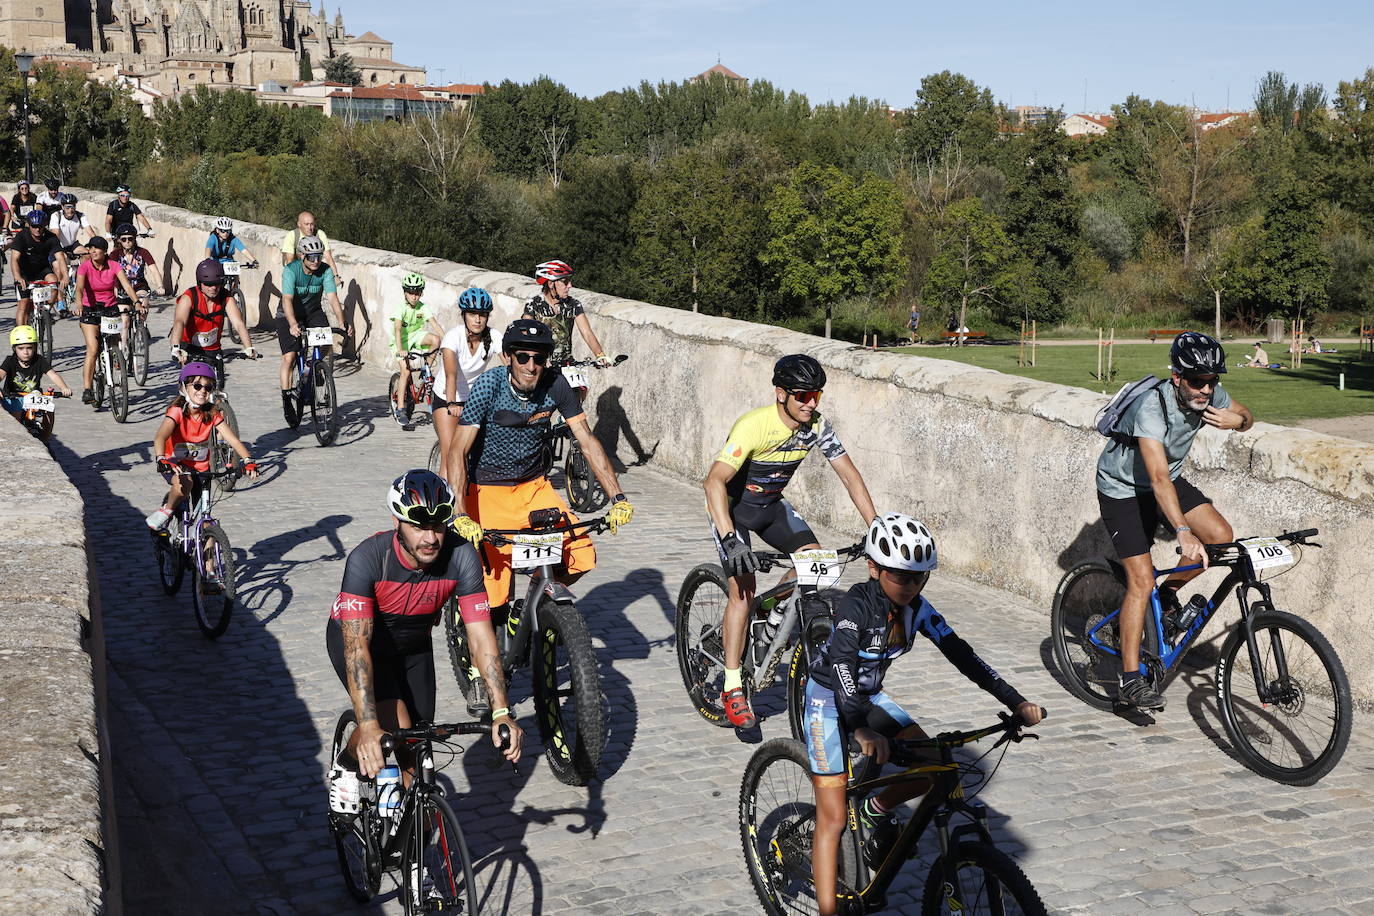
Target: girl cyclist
97, 280
413, 328
138, 262
463, 356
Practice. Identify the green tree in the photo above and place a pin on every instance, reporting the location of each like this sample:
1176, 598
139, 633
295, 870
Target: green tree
530, 129
341, 69
1042, 219
1228, 266
1283, 106
834, 236
591, 215
974, 260
1294, 273
204, 191
231, 121
1352, 154
307, 72
950, 109
1106, 231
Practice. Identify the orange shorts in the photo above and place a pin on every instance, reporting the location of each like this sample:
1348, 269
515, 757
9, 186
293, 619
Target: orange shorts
496, 506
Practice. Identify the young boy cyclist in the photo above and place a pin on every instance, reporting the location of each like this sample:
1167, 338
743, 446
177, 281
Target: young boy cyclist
413, 327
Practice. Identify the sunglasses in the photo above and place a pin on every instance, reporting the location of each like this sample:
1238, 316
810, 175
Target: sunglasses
314, 257
128, 238
427, 518
1201, 383
540, 359
805, 396
201, 386
906, 577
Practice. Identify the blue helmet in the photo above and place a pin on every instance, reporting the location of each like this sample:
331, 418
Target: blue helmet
37, 217
475, 300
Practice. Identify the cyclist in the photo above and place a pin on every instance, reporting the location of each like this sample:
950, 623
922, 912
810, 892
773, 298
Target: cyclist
224, 245
183, 438
51, 199
876, 622
305, 227
198, 324
306, 284
123, 210
413, 328
1140, 478
744, 495
71, 227
137, 261
21, 204
463, 355
97, 280
23, 370
35, 255
556, 307
379, 632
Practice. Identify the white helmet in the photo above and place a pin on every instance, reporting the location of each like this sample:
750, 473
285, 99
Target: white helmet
900, 542
225, 223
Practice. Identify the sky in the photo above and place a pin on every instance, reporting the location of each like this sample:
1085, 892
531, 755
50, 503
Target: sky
1079, 56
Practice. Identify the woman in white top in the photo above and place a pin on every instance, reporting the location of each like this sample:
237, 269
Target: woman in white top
463, 355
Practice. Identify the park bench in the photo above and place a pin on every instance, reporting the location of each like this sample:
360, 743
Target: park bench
1156, 333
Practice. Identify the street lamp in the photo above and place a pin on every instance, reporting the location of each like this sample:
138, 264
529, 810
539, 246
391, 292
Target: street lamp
25, 62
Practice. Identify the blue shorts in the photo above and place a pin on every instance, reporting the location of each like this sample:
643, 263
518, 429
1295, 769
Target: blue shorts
827, 740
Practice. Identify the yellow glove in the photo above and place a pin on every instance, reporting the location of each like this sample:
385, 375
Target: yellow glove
620, 514
604, 361
468, 529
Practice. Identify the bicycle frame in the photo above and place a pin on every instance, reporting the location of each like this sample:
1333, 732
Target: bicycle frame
195, 513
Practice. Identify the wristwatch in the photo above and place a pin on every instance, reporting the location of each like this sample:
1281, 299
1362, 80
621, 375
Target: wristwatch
618, 498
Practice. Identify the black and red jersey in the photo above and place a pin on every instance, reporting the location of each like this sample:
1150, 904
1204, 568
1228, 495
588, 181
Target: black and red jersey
404, 601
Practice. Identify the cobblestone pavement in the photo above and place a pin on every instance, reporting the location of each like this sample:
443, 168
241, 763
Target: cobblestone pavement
220, 745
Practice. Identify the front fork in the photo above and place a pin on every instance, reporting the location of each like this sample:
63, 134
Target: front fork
1274, 690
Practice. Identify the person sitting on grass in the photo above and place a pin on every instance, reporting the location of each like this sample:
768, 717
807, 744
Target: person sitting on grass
1258, 360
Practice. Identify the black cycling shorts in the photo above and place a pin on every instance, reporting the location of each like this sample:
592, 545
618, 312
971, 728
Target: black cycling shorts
407, 676
777, 524
1133, 522
288, 342
93, 315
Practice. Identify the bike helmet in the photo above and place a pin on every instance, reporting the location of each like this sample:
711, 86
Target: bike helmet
209, 271
475, 300
898, 541
1197, 354
308, 245
225, 223
67, 200
552, 270
413, 283
421, 497
195, 370
52, 184
23, 334
527, 334
21, 183
125, 229
37, 217
798, 372
124, 189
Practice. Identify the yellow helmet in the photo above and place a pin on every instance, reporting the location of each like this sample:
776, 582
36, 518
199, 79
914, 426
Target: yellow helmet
24, 334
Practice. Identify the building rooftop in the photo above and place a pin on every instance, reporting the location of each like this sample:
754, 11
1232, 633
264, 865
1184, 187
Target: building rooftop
722, 70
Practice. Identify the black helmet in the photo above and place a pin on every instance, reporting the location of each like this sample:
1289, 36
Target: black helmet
52, 184
526, 333
1197, 354
67, 200
798, 372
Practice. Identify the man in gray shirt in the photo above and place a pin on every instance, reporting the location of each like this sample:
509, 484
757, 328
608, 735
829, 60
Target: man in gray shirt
1140, 477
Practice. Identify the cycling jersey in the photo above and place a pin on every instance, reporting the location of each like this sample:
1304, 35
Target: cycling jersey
470, 365
66, 229
23, 379
560, 319
512, 428
101, 283
857, 655
122, 213
288, 243
135, 263
224, 249
50, 201
190, 439
307, 290
412, 321
1121, 470
765, 453
35, 254
205, 326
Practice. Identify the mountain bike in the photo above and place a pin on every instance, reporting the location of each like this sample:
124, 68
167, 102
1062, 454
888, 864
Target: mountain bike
568, 701
232, 270
221, 452
139, 339
583, 489
773, 633
312, 385
43, 294
1282, 693
111, 373
194, 540
420, 391
422, 837
777, 819
38, 412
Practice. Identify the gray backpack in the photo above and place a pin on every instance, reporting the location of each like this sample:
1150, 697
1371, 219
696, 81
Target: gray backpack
1109, 417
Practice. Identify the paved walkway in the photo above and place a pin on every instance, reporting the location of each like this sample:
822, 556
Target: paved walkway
220, 746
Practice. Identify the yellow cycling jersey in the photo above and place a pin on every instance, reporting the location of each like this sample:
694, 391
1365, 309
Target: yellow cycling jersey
765, 453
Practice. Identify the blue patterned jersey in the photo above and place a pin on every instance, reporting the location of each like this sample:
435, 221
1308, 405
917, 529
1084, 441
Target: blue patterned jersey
512, 428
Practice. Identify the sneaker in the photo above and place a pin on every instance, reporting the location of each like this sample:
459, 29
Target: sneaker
158, 520
87, 396
343, 790
479, 701
1137, 692
398, 414
880, 839
737, 708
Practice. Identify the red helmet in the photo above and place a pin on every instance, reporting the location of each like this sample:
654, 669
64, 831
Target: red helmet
552, 270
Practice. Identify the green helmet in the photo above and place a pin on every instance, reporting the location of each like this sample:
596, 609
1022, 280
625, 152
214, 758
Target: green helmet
413, 283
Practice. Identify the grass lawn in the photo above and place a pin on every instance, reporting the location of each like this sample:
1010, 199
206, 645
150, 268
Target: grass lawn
1275, 395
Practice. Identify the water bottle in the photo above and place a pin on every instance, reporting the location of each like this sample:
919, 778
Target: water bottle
1190, 611
765, 628
388, 791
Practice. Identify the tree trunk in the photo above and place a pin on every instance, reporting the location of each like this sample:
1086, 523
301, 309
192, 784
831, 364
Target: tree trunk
1216, 293
827, 321
695, 275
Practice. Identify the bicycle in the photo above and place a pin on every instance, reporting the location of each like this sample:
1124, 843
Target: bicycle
772, 634
423, 836
420, 391
583, 489
194, 540
139, 338
312, 385
111, 373
232, 271
221, 452
777, 815
569, 704
38, 412
43, 294
1284, 701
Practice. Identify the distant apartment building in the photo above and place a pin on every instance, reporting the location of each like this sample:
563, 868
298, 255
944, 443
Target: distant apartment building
1086, 125
1026, 115
388, 102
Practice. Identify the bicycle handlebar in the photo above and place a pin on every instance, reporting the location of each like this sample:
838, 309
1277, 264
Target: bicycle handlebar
1223, 553
505, 536
905, 750
770, 558
584, 363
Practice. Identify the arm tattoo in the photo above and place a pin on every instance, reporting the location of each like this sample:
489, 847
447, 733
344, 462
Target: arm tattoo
357, 634
496, 679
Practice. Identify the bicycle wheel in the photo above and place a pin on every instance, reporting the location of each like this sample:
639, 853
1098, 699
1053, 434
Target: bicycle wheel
436, 868
98, 383
212, 581
700, 645
798, 673
171, 562
357, 838
567, 696
222, 456
459, 654
119, 385
243, 310
407, 402
583, 489
976, 878
434, 458
42, 324
324, 416
777, 820
292, 402
1087, 594
1299, 733
139, 341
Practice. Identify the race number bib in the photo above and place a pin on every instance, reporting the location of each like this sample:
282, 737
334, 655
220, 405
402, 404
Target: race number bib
534, 550
192, 451
231, 268
820, 568
1266, 553
111, 324
576, 377
38, 401
319, 337
43, 295
207, 339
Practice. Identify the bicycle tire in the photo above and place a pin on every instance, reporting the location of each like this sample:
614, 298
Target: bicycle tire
407, 397
293, 397
356, 838
242, 303
171, 562
443, 858
700, 643
119, 386
1087, 594
42, 322
139, 342
324, 414
222, 456
213, 610
566, 670
984, 880
1317, 705
798, 673
459, 653
434, 458
583, 489
98, 383
777, 815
